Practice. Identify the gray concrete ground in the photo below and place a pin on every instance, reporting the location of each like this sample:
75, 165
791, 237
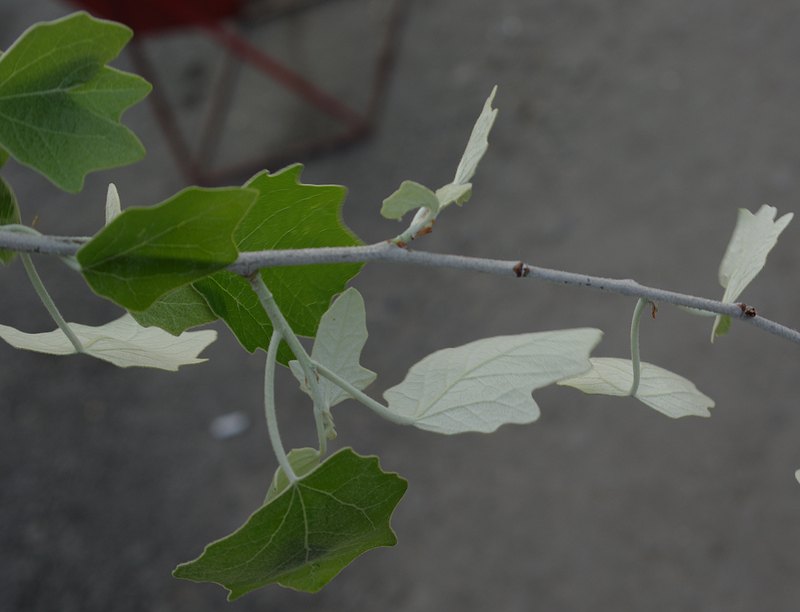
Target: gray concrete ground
629, 133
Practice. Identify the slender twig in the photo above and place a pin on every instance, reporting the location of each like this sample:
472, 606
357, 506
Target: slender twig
269, 408
281, 325
384, 251
635, 359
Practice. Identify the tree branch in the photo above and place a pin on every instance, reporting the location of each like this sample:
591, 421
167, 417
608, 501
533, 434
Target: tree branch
247, 263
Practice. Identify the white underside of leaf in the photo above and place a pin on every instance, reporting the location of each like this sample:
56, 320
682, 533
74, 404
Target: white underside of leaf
662, 390
485, 384
341, 336
122, 342
753, 238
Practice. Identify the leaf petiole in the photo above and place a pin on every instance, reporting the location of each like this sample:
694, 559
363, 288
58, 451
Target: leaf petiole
41, 291
269, 408
635, 359
281, 325
359, 395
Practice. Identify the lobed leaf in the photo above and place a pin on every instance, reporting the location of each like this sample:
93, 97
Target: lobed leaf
147, 252
487, 383
287, 214
9, 214
662, 390
306, 535
340, 339
60, 105
122, 342
753, 238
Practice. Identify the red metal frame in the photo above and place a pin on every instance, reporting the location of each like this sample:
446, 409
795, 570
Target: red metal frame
153, 16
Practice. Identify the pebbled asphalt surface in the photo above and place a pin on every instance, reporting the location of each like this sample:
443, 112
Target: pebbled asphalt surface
628, 135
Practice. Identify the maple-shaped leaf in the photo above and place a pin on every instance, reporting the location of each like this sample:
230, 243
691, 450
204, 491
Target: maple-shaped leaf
308, 533
60, 104
287, 214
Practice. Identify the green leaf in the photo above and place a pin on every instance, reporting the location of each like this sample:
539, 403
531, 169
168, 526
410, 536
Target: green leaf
121, 342
478, 142
177, 311
662, 390
753, 238
3, 157
409, 196
306, 535
487, 383
9, 214
287, 215
340, 339
302, 460
230, 297
723, 325
146, 252
60, 104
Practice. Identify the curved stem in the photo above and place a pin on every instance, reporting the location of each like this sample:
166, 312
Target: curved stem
281, 325
359, 395
637, 367
269, 408
48, 302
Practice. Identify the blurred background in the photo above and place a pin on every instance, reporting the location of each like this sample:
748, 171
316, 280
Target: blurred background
629, 133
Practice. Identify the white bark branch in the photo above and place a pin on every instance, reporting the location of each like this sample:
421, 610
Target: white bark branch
385, 251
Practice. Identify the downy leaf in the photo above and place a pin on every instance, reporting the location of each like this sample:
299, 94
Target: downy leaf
122, 342
286, 215
753, 238
487, 383
306, 535
662, 390
478, 142
409, 196
113, 203
147, 252
340, 339
60, 104
9, 214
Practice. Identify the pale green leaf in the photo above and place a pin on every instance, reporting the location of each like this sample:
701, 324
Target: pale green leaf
60, 104
341, 336
409, 196
478, 142
487, 383
302, 460
662, 390
453, 193
306, 535
122, 342
753, 238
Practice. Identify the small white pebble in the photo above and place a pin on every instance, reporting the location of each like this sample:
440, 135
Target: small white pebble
229, 425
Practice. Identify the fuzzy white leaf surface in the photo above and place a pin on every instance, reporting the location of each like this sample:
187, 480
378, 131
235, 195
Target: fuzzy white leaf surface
341, 336
122, 342
478, 142
753, 238
453, 193
662, 390
487, 383
113, 204
409, 196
